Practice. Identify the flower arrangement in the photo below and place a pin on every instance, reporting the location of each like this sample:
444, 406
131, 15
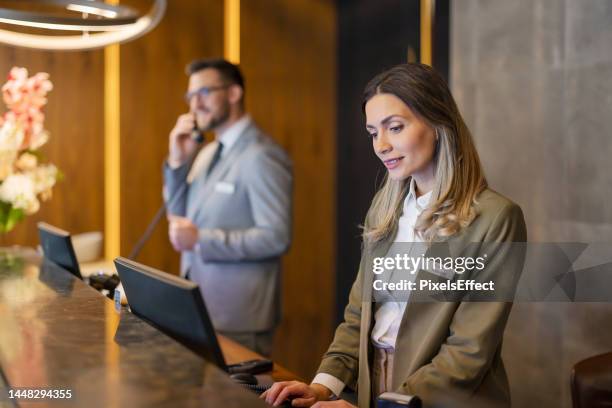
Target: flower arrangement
24, 179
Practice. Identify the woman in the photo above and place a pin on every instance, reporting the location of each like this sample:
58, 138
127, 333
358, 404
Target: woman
447, 353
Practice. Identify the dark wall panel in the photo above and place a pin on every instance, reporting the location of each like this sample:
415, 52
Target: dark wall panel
441, 37
373, 36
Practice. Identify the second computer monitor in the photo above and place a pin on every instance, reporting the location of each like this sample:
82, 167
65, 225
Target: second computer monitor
57, 247
172, 304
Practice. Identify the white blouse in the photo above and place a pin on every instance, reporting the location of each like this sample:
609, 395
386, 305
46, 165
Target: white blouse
389, 316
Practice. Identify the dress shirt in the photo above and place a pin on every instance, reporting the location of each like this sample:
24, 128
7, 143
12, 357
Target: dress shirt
228, 138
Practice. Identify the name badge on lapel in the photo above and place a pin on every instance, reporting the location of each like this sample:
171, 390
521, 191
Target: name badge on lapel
225, 187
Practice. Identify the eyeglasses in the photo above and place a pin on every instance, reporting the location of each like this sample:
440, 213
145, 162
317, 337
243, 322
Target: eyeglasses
203, 91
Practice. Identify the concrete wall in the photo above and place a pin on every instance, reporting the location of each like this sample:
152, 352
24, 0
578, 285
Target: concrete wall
533, 79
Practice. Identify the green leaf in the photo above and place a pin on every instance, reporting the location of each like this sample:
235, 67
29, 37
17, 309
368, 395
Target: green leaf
15, 215
5, 208
9, 216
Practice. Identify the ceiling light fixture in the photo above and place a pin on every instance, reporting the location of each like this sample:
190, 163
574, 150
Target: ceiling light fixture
110, 24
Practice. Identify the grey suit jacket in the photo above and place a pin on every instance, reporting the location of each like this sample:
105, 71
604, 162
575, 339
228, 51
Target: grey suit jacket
243, 213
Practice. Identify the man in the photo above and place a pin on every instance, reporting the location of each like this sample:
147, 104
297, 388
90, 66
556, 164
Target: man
230, 214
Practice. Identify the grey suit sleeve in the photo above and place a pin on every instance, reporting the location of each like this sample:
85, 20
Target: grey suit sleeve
268, 177
174, 180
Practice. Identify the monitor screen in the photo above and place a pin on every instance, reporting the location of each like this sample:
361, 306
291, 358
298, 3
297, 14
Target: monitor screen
57, 247
173, 305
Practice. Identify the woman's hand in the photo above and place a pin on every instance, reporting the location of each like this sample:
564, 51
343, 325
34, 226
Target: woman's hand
302, 395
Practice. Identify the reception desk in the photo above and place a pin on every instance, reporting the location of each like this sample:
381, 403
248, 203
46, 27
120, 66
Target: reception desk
57, 333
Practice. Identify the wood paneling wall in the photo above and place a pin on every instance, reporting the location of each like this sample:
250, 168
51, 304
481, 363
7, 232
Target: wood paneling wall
74, 118
288, 55
153, 82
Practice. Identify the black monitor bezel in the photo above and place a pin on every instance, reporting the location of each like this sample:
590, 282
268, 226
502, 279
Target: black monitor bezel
54, 238
211, 352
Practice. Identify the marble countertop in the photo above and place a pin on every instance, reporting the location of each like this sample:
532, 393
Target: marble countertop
58, 333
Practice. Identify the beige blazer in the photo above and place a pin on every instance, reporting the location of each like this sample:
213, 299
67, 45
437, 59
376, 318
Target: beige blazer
449, 352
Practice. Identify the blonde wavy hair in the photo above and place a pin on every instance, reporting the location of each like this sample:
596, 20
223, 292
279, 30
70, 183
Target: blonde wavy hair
458, 174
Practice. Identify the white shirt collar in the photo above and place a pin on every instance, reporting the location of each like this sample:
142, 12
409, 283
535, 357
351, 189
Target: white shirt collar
232, 134
422, 201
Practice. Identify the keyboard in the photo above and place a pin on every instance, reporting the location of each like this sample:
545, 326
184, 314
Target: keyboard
260, 389
257, 389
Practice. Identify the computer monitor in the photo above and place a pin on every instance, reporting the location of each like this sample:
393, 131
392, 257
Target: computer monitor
173, 305
57, 247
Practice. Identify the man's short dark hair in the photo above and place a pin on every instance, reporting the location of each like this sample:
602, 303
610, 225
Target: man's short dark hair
229, 72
